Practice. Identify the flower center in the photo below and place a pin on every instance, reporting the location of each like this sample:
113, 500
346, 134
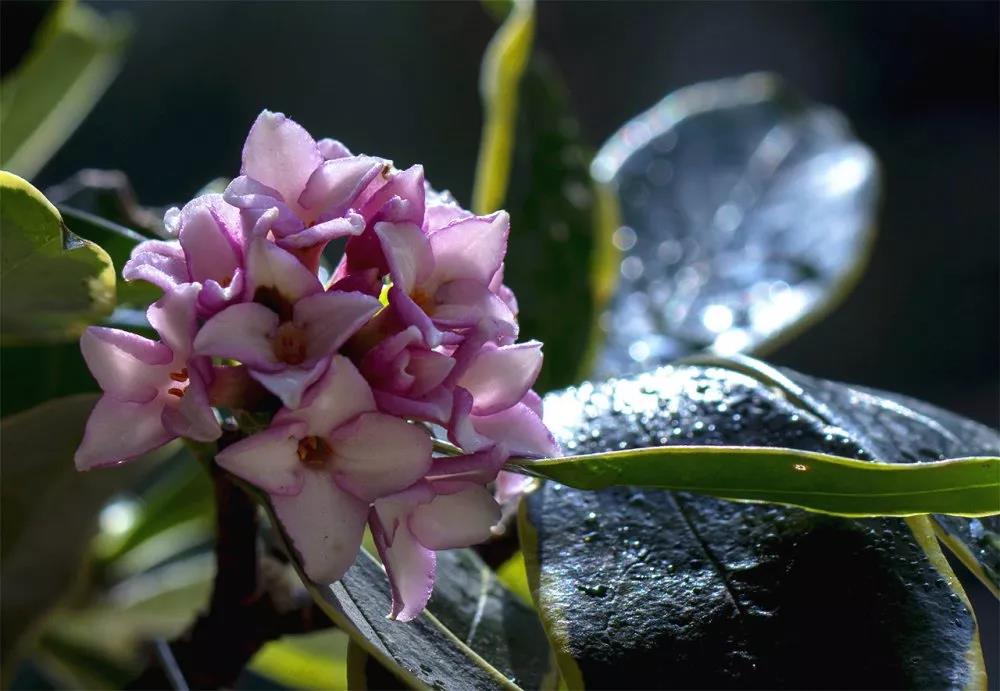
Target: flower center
424, 300
314, 451
290, 344
181, 377
273, 299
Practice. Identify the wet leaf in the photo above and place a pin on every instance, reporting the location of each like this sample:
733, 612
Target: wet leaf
638, 586
49, 510
747, 213
54, 283
75, 56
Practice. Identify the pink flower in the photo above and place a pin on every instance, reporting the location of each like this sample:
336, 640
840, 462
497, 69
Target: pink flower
286, 335
410, 526
325, 462
153, 392
208, 251
312, 185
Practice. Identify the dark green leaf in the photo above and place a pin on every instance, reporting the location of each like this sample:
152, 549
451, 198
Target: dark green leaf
49, 510
32, 375
641, 588
533, 163
421, 652
53, 283
747, 213
75, 56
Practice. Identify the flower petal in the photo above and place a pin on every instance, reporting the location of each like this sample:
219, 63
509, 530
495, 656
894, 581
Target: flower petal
325, 524
207, 247
407, 253
280, 153
125, 365
352, 224
158, 262
434, 406
329, 319
377, 454
192, 417
520, 430
462, 304
268, 459
500, 377
331, 148
471, 248
290, 383
241, 332
334, 185
456, 520
400, 199
175, 318
269, 266
118, 431
338, 396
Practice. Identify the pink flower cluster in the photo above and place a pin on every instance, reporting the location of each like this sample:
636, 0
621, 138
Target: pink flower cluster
413, 331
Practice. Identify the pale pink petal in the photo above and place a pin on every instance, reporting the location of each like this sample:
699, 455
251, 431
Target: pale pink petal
338, 396
213, 297
480, 467
439, 215
533, 401
331, 148
409, 565
465, 303
269, 266
125, 365
329, 319
511, 486
158, 262
408, 312
118, 431
384, 364
192, 416
520, 430
268, 459
434, 406
352, 224
334, 185
243, 333
290, 383
456, 520
208, 248
281, 154
324, 523
175, 318
461, 431
263, 208
500, 377
471, 248
400, 200
407, 253
376, 454
429, 369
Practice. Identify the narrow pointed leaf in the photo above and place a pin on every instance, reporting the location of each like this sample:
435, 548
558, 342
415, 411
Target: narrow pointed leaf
815, 481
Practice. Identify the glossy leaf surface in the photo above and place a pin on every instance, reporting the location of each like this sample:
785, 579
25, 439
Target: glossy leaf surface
746, 213
692, 592
53, 283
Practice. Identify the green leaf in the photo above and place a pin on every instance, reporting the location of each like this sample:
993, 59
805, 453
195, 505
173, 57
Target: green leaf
503, 63
118, 241
32, 375
534, 164
421, 653
310, 661
806, 479
747, 214
915, 431
75, 56
49, 511
54, 283
638, 585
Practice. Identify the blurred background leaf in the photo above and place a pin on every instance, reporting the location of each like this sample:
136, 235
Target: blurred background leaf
49, 510
76, 54
746, 213
53, 283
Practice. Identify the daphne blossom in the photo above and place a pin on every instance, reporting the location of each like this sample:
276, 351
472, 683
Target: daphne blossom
414, 330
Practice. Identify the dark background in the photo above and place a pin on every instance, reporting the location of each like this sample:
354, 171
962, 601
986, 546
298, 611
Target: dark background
919, 81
